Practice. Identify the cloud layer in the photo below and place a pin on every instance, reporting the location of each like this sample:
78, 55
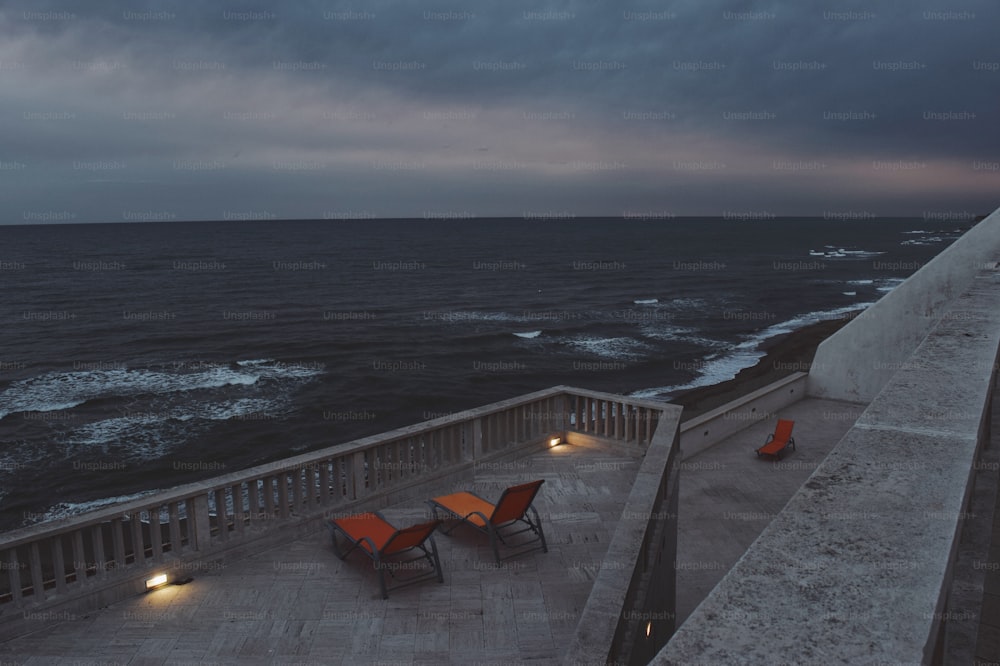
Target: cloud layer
126, 111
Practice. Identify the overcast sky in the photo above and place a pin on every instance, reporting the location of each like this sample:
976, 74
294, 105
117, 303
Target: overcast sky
132, 111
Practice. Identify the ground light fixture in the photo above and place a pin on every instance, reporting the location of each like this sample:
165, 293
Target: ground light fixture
157, 581
162, 579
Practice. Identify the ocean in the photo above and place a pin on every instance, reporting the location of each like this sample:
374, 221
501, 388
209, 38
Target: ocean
147, 355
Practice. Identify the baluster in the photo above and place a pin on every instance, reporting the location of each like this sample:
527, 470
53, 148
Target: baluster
253, 495
506, 436
312, 485
239, 506
199, 523
117, 542
155, 534
37, 580
389, 464
175, 528
325, 491
100, 561
296, 494
269, 491
59, 564
14, 576
283, 494
138, 540
221, 521
477, 439
79, 557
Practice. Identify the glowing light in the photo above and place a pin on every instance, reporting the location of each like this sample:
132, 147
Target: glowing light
156, 581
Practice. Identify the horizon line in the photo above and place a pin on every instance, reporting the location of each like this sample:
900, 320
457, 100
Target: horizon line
750, 216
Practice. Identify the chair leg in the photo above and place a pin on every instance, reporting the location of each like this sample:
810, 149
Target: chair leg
436, 560
441, 527
538, 527
336, 546
493, 542
380, 572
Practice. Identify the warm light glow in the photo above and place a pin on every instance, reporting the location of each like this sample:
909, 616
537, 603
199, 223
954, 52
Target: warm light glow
555, 441
156, 581
649, 629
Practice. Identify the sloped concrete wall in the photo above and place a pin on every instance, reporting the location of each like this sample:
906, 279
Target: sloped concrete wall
858, 565
858, 360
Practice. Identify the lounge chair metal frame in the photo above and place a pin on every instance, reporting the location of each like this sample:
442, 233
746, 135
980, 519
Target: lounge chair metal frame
500, 532
381, 557
778, 451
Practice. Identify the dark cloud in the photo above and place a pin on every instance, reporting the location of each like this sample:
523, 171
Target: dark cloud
587, 107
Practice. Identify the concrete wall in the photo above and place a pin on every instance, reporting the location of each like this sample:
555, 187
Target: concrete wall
712, 427
858, 565
631, 609
857, 361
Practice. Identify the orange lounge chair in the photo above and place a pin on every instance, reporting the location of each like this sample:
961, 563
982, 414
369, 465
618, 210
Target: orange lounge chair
381, 541
496, 520
779, 441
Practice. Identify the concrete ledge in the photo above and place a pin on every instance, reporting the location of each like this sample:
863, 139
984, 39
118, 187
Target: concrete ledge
609, 624
712, 427
855, 363
858, 566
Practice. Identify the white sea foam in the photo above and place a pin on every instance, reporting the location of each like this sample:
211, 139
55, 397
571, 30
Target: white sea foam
68, 509
714, 369
722, 367
621, 347
850, 293
152, 435
528, 334
672, 333
56, 391
646, 301
860, 281
835, 252
926, 240
888, 284
478, 315
804, 320
688, 302
258, 361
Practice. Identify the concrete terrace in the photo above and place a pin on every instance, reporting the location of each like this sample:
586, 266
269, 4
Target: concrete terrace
875, 540
297, 603
728, 495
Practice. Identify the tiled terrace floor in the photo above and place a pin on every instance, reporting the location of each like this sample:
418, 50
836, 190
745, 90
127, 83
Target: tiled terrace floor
299, 604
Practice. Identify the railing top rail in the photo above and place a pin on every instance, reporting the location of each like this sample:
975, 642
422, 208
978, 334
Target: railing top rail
600, 395
156, 499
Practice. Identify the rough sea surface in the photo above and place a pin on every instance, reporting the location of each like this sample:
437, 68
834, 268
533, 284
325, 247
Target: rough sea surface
143, 356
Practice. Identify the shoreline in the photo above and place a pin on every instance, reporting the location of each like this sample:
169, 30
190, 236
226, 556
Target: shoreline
783, 355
